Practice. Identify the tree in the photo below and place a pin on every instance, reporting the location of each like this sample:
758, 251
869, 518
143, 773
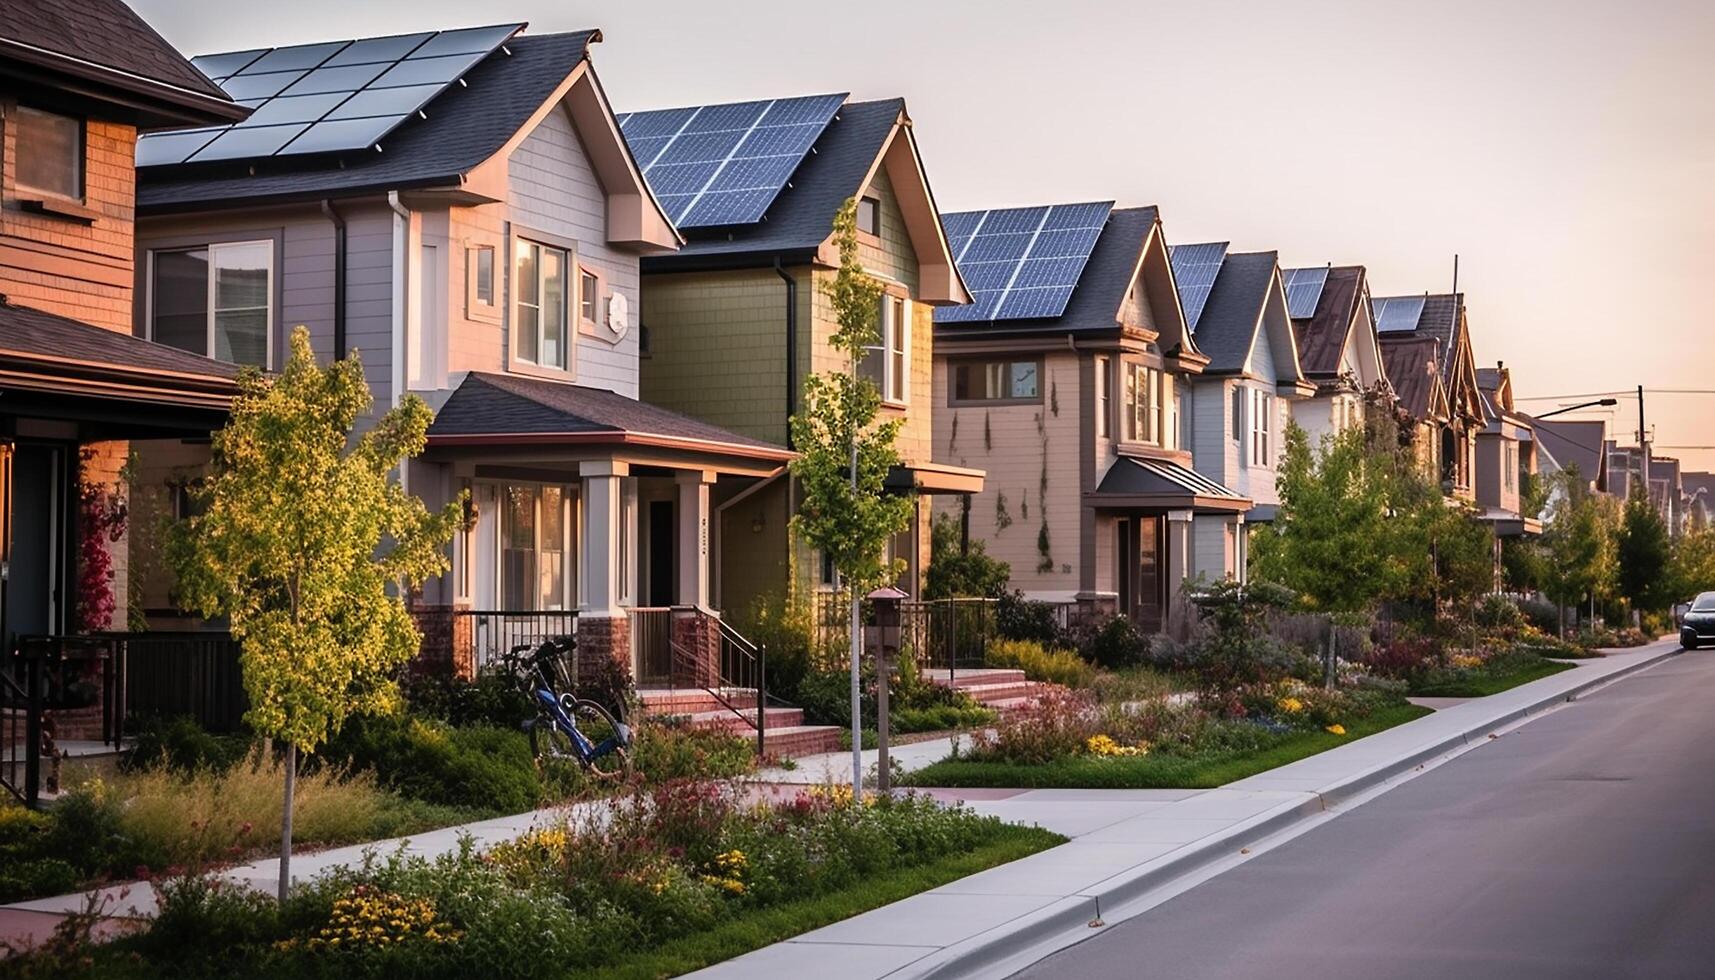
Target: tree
308, 545
845, 453
1644, 552
1578, 542
957, 570
1693, 567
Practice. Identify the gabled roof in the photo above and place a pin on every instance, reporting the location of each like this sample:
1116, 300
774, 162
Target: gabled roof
504, 408
43, 351
1574, 442
1414, 374
1322, 336
104, 42
1226, 329
461, 128
1161, 482
1439, 320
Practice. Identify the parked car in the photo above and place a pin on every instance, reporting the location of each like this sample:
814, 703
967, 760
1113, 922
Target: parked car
1699, 622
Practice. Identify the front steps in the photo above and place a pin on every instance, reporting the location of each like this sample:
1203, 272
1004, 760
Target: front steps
1002, 688
787, 736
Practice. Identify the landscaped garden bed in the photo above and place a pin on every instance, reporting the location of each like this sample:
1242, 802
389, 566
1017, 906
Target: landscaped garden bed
657, 882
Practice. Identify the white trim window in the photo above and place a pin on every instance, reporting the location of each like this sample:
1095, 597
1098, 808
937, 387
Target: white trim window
541, 277
1262, 427
1147, 391
536, 558
887, 363
869, 216
214, 300
1104, 398
1238, 409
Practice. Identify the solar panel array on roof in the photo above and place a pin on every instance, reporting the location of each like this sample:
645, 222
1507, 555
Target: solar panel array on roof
1194, 270
725, 164
1021, 263
318, 98
1397, 313
1303, 290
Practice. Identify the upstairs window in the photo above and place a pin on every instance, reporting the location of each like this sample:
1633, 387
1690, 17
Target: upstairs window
887, 362
1147, 393
589, 296
49, 152
1238, 410
869, 216
214, 300
540, 277
1262, 428
997, 381
1103, 397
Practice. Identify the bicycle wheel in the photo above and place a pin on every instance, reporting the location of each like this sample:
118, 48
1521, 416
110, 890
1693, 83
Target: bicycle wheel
549, 741
611, 739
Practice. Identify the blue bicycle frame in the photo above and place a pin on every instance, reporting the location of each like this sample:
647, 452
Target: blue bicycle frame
563, 719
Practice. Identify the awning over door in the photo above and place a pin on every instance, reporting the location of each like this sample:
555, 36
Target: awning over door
933, 478
1165, 485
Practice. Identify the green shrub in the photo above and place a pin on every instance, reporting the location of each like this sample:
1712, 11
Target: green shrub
1040, 664
782, 628
663, 752
180, 743
477, 766
1018, 618
939, 718
1117, 643
958, 569
1497, 612
494, 698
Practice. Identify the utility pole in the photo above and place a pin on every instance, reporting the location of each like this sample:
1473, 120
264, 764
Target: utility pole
1643, 442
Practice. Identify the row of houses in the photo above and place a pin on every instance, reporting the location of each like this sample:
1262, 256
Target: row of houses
611, 310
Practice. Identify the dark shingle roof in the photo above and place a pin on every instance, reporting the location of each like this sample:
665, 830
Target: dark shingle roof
1095, 304
1410, 363
465, 125
1439, 322
1322, 336
39, 334
503, 404
1573, 442
105, 32
1489, 379
1228, 326
802, 217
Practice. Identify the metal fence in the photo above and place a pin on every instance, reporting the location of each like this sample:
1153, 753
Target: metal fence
494, 632
652, 643
192, 673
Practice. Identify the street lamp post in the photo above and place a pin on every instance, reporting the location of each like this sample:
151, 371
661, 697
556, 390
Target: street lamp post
1603, 402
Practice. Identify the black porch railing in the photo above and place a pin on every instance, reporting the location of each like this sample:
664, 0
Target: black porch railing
194, 673
494, 632
21, 730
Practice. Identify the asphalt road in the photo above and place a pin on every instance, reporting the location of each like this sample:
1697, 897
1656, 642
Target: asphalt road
1580, 845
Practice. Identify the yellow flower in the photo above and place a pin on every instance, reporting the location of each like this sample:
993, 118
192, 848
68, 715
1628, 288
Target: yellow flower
1337, 729
1291, 706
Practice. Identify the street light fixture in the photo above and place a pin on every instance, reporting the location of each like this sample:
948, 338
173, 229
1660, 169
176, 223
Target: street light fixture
1603, 402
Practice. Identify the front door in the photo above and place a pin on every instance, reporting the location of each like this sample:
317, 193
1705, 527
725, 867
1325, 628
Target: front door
1139, 548
35, 557
661, 579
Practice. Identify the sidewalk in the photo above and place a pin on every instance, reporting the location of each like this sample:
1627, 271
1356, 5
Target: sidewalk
1128, 843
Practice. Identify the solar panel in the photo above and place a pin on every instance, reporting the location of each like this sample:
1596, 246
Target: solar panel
326, 97
1021, 263
1397, 313
1194, 270
1304, 290
725, 164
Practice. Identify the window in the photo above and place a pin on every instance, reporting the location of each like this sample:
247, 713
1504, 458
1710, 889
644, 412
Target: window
1509, 465
1103, 397
997, 381
1238, 415
1262, 427
535, 545
214, 300
479, 273
1147, 392
50, 152
539, 283
869, 216
589, 296
887, 363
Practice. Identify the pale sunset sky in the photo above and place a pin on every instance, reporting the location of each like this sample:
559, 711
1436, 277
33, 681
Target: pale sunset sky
1565, 149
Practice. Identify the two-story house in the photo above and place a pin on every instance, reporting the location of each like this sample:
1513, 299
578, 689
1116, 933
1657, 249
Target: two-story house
1414, 371
1066, 380
461, 208
1237, 409
1330, 307
78, 82
1573, 444
1506, 456
737, 318
1442, 318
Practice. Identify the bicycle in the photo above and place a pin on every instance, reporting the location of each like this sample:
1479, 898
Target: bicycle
555, 732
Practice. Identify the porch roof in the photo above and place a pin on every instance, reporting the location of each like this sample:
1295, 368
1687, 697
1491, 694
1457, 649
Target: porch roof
1159, 483
503, 409
54, 366
933, 478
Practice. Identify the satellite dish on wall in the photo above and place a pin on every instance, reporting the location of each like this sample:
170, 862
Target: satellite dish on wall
618, 314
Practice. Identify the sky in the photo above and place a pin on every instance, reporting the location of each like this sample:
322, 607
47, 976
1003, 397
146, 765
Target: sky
1564, 150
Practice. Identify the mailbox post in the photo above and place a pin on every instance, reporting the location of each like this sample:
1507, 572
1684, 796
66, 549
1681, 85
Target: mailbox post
882, 639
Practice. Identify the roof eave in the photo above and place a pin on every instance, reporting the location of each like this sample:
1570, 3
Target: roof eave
166, 105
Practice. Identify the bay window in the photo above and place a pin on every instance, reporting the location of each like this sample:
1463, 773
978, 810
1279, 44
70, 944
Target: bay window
214, 300
1103, 399
887, 362
1262, 427
1005, 380
1147, 394
540, 282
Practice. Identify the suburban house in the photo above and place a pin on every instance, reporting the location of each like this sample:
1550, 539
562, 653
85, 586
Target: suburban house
78, 83
1337, 348
735, 320
460, 208
1067, 380
1667, 491
1237, 409
1442, 318
1506, 458
1573, 444
1414, 370
1699, 498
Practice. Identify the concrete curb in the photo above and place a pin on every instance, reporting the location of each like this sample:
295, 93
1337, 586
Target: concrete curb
978, 955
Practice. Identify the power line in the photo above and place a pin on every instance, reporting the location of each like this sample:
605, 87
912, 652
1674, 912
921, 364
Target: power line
1632, 393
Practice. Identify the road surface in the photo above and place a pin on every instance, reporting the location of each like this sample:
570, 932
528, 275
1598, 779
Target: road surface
1579, 845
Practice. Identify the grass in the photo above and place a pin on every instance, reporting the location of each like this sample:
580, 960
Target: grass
755, 928
1483, 685
1158, 770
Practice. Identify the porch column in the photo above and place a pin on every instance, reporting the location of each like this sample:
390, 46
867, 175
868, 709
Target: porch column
693, 492
604, 628
1178, 560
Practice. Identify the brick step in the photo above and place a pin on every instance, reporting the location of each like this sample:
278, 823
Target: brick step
690, 701
730, 721
975, 676
801, 740
989, 693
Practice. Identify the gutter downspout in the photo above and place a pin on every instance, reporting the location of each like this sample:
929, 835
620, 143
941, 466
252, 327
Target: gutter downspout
334, 216
401, 244
791, 345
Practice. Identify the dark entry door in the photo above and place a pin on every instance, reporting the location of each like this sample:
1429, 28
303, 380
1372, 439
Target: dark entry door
1140, 556
35, 566
661, 553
